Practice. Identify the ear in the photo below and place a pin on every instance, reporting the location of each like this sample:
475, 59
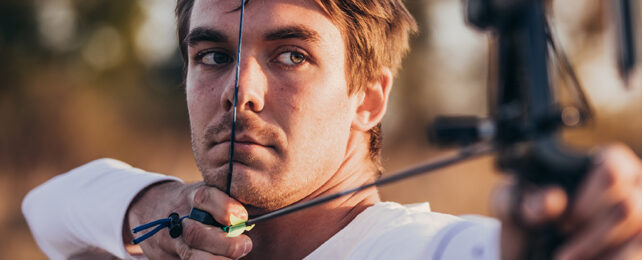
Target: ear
373, 101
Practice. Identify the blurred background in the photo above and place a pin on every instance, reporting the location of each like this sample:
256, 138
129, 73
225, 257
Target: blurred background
81, 80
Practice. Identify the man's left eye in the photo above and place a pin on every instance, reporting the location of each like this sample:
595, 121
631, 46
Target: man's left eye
291, 58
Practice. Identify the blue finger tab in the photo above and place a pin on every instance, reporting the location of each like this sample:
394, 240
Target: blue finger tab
175, 226
173, 223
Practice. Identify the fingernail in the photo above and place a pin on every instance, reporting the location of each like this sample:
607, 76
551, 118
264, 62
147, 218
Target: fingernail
247, 247
241, 215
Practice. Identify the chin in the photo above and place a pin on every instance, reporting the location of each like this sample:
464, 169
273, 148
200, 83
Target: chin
263, 192
260, 186
259, 204
259, 190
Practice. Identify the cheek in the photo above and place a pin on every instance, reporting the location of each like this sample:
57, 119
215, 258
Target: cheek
320, 117
201, 100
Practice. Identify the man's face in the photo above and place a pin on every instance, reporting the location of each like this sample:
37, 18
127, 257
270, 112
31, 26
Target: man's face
294, 112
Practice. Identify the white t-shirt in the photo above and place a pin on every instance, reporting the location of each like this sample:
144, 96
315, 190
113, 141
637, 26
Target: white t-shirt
82, 211
389, 230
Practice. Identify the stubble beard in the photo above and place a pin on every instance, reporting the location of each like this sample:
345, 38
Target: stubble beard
258, 198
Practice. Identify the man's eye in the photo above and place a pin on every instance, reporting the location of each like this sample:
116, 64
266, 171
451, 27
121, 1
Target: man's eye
291, 58
215, 58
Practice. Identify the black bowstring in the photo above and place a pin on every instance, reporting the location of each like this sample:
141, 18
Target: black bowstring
234, 108
173, 222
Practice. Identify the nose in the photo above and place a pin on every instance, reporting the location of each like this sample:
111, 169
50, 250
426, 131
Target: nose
252, 84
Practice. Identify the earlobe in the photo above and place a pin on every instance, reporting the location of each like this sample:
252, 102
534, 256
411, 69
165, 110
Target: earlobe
373, 102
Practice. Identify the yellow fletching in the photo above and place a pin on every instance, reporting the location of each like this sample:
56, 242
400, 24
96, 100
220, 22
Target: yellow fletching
250, 227
234, 220
238, 227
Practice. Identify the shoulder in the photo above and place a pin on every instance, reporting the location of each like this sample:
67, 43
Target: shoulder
390, 230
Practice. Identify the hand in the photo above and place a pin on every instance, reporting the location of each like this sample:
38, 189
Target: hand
603, 221
198, 241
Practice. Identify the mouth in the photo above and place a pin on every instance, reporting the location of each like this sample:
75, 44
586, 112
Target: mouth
242, 141
250, 152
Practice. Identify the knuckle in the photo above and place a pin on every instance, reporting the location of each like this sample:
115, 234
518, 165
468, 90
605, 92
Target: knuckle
636, 204
625, 209
618, 149
620, 165
200, 196
184, 252
610, 173
192, 234
628, 209
235, 249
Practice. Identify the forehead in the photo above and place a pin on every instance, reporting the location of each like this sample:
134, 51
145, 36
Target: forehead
261, 15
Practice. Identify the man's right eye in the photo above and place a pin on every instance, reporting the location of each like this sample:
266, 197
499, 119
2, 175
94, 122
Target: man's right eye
213, 58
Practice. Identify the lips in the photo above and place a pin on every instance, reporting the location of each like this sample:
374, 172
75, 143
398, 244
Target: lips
240, 139
251, 132
248, 140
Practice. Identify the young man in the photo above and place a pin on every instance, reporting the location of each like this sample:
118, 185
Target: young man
314, 82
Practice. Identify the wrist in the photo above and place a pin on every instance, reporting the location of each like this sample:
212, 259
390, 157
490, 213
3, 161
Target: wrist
158, 201
155, 202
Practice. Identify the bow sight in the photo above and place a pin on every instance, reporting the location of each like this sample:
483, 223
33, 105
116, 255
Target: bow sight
524, 118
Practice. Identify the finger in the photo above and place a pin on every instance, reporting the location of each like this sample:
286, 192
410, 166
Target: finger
617, 170
543, 205
512, 236
159, 246
213, 240
196, 254
537, 206
218, 204
631, 251
502, 203
159, 253
609, 230
186, 253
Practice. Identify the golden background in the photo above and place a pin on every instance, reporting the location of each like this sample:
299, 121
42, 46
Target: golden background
86, 79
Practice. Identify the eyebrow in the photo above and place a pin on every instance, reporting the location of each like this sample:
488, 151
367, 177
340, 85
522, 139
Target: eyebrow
203, 34
292, 32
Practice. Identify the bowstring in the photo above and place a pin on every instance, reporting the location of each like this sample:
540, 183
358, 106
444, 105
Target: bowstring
236, 93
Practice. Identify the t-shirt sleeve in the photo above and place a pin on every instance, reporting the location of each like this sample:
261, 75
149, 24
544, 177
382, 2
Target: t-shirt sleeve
84, 209
475, 238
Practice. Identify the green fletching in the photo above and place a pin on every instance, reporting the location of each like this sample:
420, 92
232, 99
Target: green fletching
237, 228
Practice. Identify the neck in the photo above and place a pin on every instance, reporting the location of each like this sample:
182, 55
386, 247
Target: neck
311, 227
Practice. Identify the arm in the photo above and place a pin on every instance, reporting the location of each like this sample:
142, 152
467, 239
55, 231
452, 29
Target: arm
85, 208
94, 207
